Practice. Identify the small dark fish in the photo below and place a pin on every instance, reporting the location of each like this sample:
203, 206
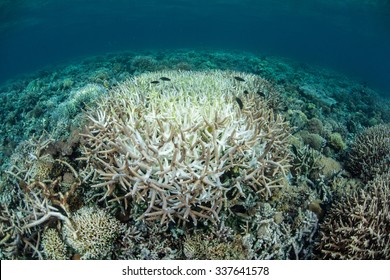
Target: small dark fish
239, 79
246, 92
262, 94
240, 104
295, 150
154, 82
165, 79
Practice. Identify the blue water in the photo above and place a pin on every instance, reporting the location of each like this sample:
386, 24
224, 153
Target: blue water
350, 36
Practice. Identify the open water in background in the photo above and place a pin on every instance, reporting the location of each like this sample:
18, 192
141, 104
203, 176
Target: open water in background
352, 36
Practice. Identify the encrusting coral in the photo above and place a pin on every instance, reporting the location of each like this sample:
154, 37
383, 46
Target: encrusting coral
175, 143
358, 226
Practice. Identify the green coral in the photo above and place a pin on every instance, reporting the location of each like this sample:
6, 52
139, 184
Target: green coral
315, 125
313, 140
337, 142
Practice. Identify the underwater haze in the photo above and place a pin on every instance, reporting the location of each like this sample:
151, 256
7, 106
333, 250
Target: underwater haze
351, 36
195, 130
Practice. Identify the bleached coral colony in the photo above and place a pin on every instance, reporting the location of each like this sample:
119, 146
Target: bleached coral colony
182, 150
185, 165
170, 145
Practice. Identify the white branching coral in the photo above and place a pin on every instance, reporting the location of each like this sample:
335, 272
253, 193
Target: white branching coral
176, 143
92, 232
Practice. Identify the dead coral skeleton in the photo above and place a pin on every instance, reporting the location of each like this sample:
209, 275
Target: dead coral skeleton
170, 145
36, 200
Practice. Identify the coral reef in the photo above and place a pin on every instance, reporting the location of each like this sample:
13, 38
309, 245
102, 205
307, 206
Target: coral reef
69, 112
212, 142
315, 125
297, 119
216, 246
358, 226
273, 237
38, 197
313, 140
330, 167
370, 153
179, 146
336, 142
91, 233
148, 241
142, 63
306, 163
53, 246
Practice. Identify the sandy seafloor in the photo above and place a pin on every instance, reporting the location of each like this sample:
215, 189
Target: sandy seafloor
326, 111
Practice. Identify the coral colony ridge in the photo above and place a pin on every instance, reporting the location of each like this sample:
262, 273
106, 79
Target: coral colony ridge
193, 155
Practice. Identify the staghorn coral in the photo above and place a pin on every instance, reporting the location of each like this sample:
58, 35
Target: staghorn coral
358, 225
213, 247
33, 199
33, 168
91, 232
70, 112
273, 237
148, 241
341, 185
44, 100
306, 163
370, 153
53, 246
20, 222
177, 147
